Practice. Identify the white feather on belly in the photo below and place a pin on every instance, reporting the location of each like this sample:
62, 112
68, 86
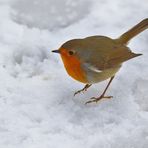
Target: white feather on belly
92, 67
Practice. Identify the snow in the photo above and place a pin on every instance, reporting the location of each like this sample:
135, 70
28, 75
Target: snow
37, 106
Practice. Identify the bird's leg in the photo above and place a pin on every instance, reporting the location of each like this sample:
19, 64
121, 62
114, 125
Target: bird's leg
94, 99
82, 90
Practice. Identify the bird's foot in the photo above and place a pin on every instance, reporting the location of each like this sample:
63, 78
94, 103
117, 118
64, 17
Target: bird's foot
94, 99
82, 90
79, 91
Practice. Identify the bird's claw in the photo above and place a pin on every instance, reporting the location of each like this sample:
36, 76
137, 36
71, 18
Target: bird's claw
94, 99
83, 90
79, 91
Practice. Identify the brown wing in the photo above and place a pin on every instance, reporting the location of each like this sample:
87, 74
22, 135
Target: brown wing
119, 56
113, 58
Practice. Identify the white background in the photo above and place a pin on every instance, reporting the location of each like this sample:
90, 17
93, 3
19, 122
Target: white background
37, 106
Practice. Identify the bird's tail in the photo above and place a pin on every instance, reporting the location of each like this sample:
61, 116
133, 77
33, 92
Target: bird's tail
127, 36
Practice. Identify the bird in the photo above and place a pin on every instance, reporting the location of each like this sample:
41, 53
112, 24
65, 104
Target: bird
97, 58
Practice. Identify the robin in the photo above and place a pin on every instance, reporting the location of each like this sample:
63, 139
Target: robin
96, 58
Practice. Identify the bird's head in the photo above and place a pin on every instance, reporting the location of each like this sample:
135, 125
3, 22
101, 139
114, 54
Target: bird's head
70, 52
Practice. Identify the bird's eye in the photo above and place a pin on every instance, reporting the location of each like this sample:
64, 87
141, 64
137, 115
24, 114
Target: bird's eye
71, 52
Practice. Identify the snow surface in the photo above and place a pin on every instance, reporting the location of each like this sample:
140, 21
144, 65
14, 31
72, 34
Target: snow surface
37, 106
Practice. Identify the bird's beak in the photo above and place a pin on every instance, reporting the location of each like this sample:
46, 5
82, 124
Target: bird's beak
56, 51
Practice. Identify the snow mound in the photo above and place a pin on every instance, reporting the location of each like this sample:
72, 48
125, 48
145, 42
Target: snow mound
50, 14
27, 60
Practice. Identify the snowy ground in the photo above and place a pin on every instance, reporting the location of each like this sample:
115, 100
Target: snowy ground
37, 107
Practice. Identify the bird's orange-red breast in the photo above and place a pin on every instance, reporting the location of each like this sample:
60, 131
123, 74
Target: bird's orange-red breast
73, 66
